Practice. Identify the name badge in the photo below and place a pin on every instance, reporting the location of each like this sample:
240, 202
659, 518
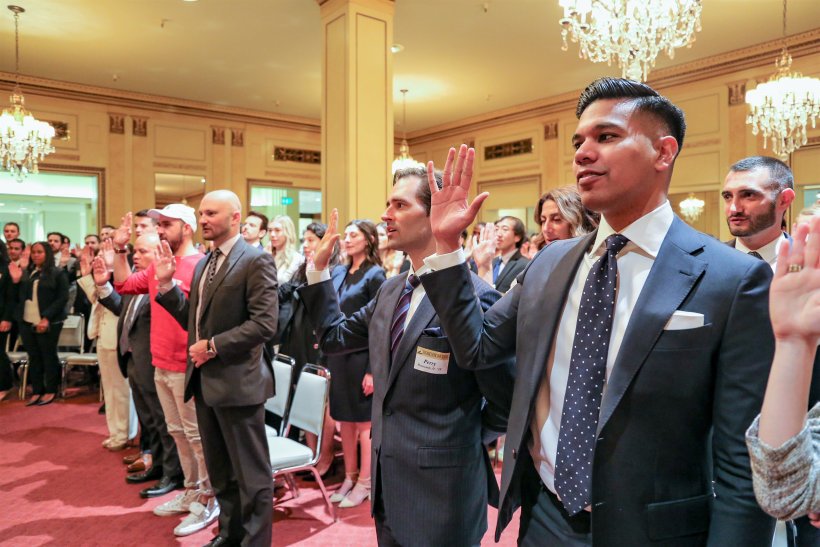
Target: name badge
432, 362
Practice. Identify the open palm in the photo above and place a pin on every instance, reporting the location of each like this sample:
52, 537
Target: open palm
450, 213
321, 257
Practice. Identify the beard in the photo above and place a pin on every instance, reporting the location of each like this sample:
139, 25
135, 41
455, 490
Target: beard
757, 223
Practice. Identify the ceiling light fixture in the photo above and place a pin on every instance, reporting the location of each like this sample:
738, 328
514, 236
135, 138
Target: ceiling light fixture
691, 208
24, 140
396, 48
404, 159
782, 107
631, 32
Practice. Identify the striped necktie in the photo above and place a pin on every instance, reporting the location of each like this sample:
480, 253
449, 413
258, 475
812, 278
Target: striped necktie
400, 313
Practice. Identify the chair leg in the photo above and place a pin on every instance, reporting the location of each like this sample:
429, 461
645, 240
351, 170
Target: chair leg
292, 485
321, 483
64, 380
23, 384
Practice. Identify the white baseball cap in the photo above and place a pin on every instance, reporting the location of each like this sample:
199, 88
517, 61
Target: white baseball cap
176, 210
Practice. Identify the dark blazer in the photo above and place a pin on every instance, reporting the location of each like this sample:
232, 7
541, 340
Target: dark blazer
8, 296
140, 333
52, 294
239, 311
667, 391
426, 428
514, 266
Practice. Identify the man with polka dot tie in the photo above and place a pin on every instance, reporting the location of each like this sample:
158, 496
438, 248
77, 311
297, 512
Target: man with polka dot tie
641, 349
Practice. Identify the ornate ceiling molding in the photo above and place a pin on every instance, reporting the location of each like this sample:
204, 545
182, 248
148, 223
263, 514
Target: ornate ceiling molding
156, 103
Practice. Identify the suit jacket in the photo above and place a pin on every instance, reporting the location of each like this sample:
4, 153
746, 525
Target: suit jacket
514, 266
239, 311
139, 335
668, 389
52, 295
435, 476
8, 295
102, 323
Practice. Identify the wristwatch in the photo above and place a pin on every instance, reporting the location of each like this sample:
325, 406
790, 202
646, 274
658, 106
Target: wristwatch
211, 351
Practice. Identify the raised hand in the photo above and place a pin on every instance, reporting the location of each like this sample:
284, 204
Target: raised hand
100, 271
108, 254
65, 255
321, 258
484, 248
15, 272
450, 214
86, 257
25, 257
122, 235
794, 297
164, 263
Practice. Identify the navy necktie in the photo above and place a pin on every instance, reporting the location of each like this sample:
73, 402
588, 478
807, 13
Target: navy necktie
585, 384
400, 313
755, 254
496, 268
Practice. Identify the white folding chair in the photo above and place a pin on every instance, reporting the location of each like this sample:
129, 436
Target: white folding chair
18, 357
73, 337
307, 412
283, 367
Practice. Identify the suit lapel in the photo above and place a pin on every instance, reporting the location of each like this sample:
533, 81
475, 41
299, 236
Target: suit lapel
422, 317
671, 279
337, 277
505, 273
227, 265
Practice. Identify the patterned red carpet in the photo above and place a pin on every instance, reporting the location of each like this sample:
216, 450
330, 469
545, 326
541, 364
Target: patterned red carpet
59, 487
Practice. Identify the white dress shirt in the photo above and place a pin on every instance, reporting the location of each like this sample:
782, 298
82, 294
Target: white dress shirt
768, 251
317, 276
226, 250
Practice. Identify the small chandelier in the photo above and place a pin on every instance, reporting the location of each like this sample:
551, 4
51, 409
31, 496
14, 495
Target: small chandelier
691, 208
632, 32
782, 107
404, 159
24, 141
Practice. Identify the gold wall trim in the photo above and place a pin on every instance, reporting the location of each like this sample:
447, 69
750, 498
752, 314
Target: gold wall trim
737, 92
59, 156
116, 123
181, 166
217, 135
156, 103
139, 126
757, 56
295, 175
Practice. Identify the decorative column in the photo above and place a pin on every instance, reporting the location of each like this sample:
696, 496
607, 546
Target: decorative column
357, 106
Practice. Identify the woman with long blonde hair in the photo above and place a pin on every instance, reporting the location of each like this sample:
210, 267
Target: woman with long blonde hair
283, 242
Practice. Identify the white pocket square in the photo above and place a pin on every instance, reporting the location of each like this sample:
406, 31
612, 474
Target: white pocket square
684, 320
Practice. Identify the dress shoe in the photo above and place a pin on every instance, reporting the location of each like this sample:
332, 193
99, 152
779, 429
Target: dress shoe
150, 474
114, 446
165, 485
46, 399
220, 541
101, 410
136, 467
131, 458
4, 394
34, 400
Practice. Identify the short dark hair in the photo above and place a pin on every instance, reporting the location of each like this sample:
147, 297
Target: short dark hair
780, 175
423, 192
12, 224
58, 234
645, 99
17, 240
264, 226
518, 229
114, 227
140, 213
66, 239
92, 235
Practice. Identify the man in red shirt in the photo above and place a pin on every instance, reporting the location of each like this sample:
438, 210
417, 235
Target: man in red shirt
176, 225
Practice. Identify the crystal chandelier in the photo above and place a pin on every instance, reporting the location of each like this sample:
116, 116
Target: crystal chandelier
24, 141
782, 107
691, 208
404, 159
632, 32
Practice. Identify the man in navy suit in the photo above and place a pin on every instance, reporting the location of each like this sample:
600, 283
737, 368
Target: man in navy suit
636, 346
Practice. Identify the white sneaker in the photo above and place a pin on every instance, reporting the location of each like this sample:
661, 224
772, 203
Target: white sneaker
201, 516
180, 504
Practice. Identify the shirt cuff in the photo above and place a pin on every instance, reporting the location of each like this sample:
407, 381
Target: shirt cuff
317, 276
163, 288
439, 262
104, 291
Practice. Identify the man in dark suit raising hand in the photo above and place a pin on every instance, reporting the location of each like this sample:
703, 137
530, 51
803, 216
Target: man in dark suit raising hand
230, 315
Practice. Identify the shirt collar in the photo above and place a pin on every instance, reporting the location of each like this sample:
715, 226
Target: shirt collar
768, 251
506, 258
646, 233
228, 245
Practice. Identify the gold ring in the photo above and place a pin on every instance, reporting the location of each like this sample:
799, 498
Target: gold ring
795, 268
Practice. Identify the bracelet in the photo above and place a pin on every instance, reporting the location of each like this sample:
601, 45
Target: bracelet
121, 251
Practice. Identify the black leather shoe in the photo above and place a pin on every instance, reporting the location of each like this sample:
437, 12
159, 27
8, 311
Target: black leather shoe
165, 485
150, 474
220, 541
34, 401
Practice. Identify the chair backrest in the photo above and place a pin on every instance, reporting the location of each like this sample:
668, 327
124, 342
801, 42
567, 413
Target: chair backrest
72, 335
283, 367
307, 411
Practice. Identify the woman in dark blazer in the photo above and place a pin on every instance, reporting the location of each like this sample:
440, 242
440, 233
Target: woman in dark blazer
351, 386
7, 303
41, 320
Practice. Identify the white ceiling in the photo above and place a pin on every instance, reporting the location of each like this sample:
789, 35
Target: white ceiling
461, 57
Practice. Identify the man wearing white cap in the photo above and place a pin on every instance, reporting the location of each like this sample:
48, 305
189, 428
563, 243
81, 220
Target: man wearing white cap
176, 224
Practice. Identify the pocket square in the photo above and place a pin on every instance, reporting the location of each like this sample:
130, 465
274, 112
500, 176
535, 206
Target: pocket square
433, 331
684, 320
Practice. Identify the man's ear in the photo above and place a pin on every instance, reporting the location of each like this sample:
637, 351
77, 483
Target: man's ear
667, 149
785, 199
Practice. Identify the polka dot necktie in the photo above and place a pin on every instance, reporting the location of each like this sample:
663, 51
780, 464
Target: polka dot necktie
585, 384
